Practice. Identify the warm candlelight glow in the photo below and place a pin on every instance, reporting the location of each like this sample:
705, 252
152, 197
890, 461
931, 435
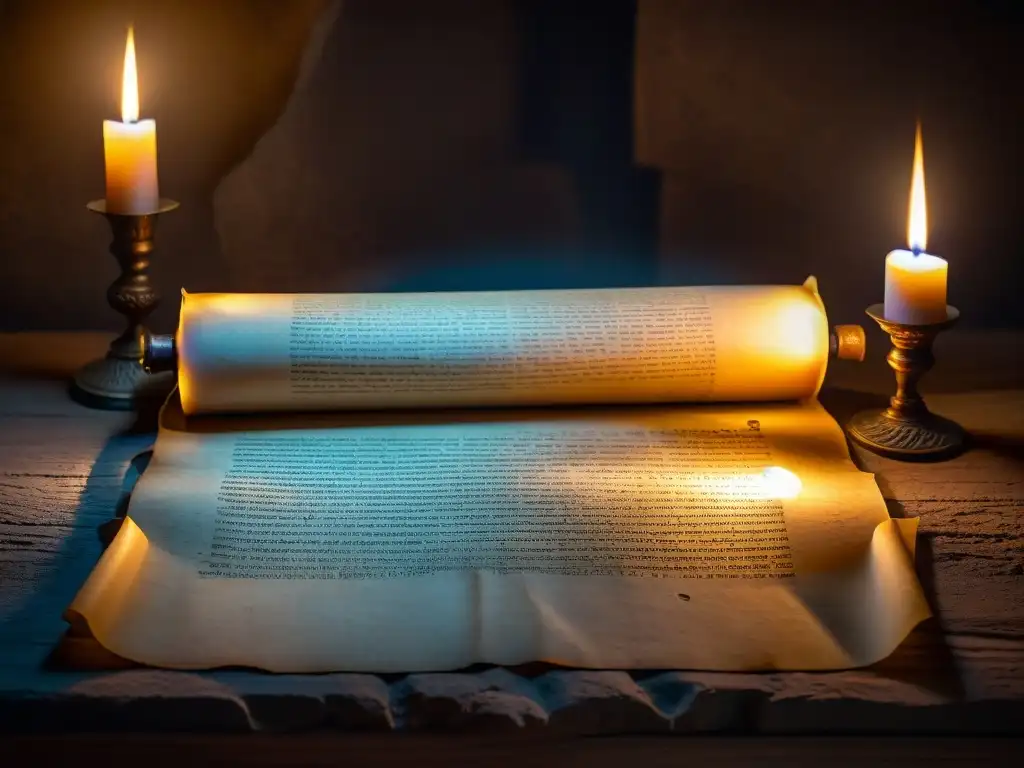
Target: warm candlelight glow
917, 221
780, 483
130, 82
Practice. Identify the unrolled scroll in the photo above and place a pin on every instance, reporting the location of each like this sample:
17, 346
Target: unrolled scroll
630, 538
288, 352
389, 541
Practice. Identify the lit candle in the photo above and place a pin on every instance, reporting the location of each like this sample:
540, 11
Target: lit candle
129, 148
915, 281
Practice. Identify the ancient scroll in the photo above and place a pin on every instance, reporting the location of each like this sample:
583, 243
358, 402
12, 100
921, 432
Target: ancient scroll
285, 352
731, 536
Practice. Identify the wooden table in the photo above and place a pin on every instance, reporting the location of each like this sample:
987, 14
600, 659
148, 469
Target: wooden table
65, 470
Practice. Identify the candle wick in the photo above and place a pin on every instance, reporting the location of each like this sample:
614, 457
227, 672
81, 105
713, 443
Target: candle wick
916, 250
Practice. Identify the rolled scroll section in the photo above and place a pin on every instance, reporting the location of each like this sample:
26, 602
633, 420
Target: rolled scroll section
288, 352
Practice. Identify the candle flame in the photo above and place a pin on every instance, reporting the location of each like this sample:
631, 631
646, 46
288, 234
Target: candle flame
130, 82
917, 224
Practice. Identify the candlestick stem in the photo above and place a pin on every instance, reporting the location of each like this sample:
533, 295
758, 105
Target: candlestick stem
118, 381
907, 430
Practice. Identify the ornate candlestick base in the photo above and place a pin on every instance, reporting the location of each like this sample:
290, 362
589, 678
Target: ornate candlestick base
907, 430
118, 381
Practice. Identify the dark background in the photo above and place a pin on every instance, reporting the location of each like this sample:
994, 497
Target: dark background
443, 144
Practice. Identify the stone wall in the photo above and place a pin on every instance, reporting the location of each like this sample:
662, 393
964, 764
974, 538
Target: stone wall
401, 145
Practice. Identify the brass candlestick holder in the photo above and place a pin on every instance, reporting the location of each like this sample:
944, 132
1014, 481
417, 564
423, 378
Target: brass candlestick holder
907, 430
118, 381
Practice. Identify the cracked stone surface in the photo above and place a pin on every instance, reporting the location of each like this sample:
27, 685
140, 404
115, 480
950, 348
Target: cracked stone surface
566, 702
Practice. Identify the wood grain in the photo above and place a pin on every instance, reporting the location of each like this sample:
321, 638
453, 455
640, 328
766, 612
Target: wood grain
65, 471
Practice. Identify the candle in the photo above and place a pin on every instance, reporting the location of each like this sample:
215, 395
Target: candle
915, 281
129, 148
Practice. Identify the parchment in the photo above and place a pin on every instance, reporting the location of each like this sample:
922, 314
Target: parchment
634, 537
288, 352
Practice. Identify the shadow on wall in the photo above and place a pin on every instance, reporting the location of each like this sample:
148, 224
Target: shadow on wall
431, 148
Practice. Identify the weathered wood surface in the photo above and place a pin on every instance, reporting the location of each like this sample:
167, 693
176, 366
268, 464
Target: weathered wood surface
64, 471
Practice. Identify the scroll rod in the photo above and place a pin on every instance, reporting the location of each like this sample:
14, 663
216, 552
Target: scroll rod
159, 352
847, 342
